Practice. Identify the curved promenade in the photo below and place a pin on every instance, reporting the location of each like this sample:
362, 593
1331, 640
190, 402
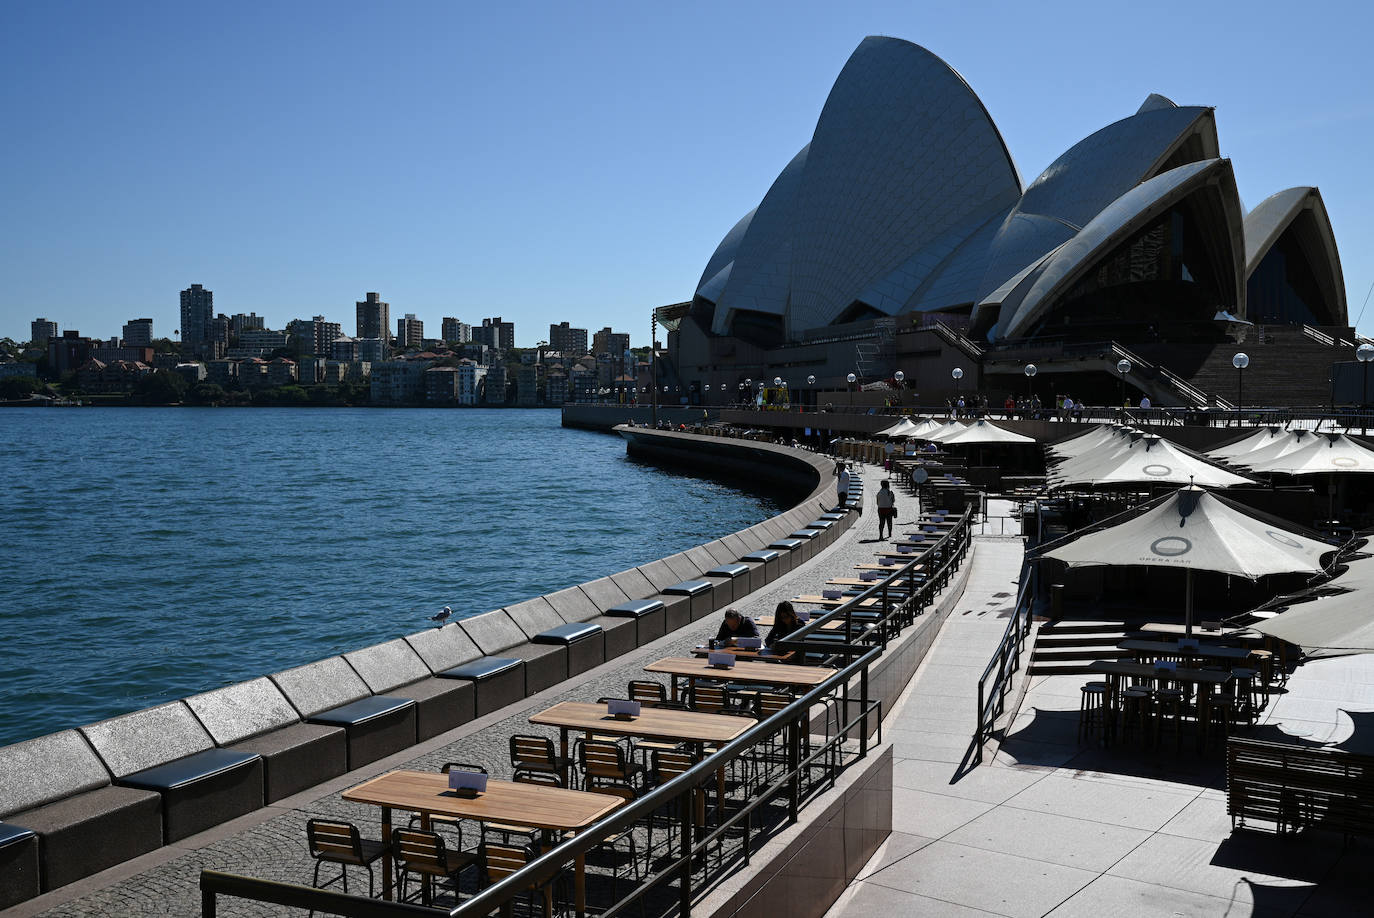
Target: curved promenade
120, 801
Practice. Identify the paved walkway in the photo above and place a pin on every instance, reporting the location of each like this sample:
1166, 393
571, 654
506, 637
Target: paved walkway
270, 843
1051, 828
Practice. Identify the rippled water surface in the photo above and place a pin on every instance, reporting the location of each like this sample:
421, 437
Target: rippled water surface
150, 554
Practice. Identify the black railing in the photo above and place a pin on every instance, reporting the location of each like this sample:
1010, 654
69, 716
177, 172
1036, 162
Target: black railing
996, 681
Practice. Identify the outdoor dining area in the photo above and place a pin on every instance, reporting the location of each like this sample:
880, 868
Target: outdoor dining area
448, 834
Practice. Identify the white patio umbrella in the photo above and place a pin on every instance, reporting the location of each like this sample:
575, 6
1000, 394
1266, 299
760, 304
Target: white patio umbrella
1083, 443
1149, 460
902, 428
982, 432
939, 433
1194, 529
1320, 454
1335, 624
1290, 441
1260, 439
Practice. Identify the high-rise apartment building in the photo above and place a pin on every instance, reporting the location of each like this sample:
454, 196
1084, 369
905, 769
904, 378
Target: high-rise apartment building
197, 311
455, 332
495, 333
314, 335
240, 323
609, 342
410, 331
374, 318
572, 342
138, 333
40, 330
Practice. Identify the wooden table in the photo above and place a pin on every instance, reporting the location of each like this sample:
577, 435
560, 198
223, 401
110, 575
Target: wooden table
834, 625
742, 653
786, 674
694, 727
815, 599
1177, 629
1171, 648
552, 809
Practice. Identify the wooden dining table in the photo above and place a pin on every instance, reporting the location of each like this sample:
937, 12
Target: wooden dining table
744, 653
551, 809
782, 674
766, 621
1173, 649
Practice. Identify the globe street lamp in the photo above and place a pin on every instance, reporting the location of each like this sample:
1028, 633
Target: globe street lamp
1123, 366
897, 378
1030, 371
851, 379
1364, 354
1240, 362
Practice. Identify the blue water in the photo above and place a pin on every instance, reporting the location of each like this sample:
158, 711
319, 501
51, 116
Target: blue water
150, 554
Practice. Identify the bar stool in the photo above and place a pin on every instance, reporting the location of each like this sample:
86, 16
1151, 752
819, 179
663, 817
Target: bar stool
1246, 693
1169, 704
1217, 712
1264, 659
1092, 711
1137, 703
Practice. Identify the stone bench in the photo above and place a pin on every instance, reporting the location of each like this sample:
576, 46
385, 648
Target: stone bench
791, 549
496, 633
646, 617
165, 749
836, 516
255, 717
498, 681
18, 865
731, 582
56, 786
394, 669
585, 641
324, 691
701, 593
618, 636
770, 560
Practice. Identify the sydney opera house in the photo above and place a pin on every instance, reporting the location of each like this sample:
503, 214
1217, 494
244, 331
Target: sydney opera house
903, 238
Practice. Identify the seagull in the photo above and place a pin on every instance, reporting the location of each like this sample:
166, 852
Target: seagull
441, 616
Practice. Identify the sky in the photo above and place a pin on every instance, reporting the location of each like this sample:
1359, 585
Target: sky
552, 161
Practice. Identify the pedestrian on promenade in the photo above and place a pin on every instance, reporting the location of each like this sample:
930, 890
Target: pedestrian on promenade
841, 483
887, 508
734, 626
785, 621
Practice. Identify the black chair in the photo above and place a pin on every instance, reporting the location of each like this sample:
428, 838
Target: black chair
500, 861
454, 821
648, 692
606, 764
334, 842
535, 754
426, 854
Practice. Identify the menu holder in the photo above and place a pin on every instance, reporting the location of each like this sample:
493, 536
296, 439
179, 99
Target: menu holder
831, 594
621, 709
888, 562
803, 615
748, 643
721, 660
467, 784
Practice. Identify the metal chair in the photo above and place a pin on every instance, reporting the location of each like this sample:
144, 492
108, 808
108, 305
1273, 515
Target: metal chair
605, 764
334, 842
426, 854
648, 692
500, 861
535, 754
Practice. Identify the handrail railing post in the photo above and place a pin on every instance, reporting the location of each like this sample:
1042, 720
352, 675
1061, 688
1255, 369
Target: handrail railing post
207, 903
686, 814
794, 768
863, 702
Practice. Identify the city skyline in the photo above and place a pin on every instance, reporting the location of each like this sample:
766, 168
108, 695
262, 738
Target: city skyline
544, 163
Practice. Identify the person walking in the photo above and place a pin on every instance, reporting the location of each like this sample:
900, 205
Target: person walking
887, 508
841, 484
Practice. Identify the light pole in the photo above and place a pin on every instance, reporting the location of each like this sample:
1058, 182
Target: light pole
1123, 366
1240, 362
957, 373
898, 377
1030, 371
1364, 354
810, 393
851, 379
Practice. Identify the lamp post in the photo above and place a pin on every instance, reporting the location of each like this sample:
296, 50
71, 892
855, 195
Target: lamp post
851, 379
1364, 354
1123, 366
1030, 371
1240, 362
810, 393
898, 377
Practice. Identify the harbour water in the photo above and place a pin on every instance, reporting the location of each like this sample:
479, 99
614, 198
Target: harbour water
153, 553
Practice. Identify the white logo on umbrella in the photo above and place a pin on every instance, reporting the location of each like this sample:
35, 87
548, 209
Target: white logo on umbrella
1157, 470
1283, 539
1171, 546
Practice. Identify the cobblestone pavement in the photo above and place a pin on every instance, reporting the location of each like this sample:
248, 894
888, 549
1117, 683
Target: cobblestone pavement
270, 844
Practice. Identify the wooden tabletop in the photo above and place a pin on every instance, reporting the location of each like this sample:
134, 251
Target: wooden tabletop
766, 621
1174, 628
1149, 671
745, 671
1172, 647
818, 600
535, 805
741, 653
653, 723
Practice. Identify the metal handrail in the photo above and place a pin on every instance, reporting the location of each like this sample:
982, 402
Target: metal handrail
1006, 661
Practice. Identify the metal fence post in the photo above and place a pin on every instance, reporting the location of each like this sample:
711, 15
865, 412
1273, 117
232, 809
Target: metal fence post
686, 814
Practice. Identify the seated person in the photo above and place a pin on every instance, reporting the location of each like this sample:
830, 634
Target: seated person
785, 621
736, 626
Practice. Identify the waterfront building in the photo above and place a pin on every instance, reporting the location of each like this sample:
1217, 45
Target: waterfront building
313, 336
617, 344
471, 382
495, 333
98, 377
223, 373
68, 352
10, 368
253, 373
373, 349
555, 386
455, 332
476, 352
193, 372
40, 330
240, 323
281, 372
260, 343
108, 354
569, 340
494, 392
137, 333
527, 384
901, 237
410, 331
441, 385
343, 348
197, 311
374, 318
398, 382
310, 370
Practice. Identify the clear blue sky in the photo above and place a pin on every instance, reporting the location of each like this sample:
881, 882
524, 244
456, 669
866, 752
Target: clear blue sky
557, 160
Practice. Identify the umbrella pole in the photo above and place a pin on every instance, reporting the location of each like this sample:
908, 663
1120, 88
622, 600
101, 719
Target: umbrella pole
1188, 604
